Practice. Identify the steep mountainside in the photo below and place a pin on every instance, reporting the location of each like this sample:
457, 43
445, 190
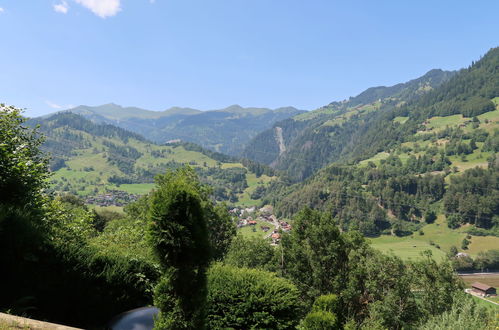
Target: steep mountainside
316, 138
226, 130
92, 160
435, 157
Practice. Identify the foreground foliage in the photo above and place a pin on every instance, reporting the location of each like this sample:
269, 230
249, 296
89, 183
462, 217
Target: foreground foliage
179, 238
243, 298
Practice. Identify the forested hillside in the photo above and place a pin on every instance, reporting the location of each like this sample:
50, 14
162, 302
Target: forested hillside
431, 158
225, 130
92, 160
312, 140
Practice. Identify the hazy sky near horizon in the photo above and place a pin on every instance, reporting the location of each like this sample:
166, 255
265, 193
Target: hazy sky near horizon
209, 54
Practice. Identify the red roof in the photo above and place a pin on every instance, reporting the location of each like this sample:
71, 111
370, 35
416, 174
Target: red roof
481, 286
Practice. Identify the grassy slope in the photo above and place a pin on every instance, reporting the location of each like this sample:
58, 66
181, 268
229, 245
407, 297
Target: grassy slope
256, 231
411, 246
93, 180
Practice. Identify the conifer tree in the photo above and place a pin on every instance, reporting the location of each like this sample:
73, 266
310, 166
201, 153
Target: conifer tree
179, 237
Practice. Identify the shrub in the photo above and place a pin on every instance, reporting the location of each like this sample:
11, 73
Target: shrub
323, 314
251, 253
319, 320
243, 298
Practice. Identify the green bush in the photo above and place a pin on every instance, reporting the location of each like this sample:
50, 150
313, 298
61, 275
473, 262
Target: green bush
243, 298
251, 253
320, 320
323, 314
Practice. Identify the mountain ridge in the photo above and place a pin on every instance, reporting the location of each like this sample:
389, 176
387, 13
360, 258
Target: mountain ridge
224, 130
311, 138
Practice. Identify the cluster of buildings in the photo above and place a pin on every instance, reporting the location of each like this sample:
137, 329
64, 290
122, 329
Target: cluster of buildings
112, 198
264, 216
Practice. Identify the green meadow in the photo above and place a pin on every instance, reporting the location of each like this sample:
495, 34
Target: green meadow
437, 237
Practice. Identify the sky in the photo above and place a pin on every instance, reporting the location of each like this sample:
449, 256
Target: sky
209, 54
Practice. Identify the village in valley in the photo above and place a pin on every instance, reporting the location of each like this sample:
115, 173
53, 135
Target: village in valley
255, 221
261, 220
111, 198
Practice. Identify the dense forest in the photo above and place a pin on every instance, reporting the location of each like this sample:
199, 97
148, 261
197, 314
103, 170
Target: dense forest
176, 248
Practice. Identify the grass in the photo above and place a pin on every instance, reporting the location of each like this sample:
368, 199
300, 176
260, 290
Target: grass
88, 170
410, 247
256, 231
437, 123
376, 159
113, 208
492, 280
482, 243
137, 188
405, 247
485, 304
475, 159
400, 120
253, 183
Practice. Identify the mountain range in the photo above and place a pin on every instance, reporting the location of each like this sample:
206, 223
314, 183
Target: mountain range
389, 161
225, 130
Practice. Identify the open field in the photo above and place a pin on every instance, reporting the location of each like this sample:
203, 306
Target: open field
112, 208
405, 249
438, 123
492, 279
376, 159
137, 188
253, 183
400, 120
256, 231
410, 247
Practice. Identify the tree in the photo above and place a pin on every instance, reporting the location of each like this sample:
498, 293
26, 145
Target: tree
430, 217
23, 167
179, 236
315, 254
464, 244
463, 314
251, 252
453, 251
378, 292
437, 284
221, 228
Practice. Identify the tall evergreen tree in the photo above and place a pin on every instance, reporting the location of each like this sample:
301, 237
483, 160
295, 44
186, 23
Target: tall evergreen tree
179, 236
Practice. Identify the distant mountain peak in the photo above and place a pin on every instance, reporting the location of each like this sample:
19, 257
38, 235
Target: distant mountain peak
234, 107
111, 104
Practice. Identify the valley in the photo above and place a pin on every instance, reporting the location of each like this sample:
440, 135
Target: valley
394, 190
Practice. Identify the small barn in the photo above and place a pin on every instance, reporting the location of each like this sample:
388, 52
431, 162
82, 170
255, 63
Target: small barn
483, 289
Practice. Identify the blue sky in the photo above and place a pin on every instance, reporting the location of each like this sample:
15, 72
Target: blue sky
209, 54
